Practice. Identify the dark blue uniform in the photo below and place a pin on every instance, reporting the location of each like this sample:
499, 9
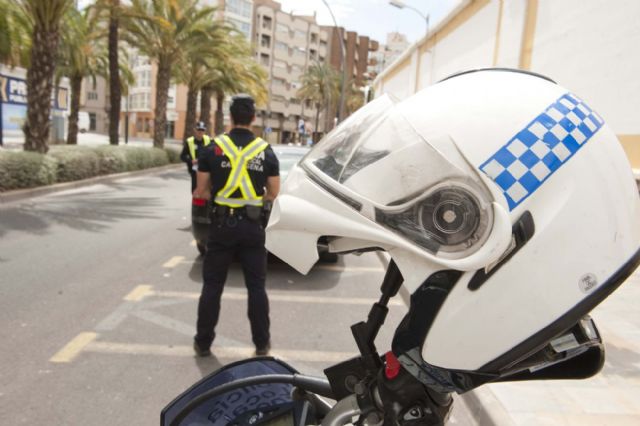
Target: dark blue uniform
234, 235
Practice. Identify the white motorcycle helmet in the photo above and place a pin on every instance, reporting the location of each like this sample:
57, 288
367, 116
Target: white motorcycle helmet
500, 195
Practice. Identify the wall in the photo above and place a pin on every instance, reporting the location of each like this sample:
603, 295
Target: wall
587, 46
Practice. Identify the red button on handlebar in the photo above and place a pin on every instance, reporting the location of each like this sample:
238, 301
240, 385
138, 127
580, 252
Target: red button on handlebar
392, 368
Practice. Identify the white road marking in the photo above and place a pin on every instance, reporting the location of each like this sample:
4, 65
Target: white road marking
166, 322
173, 262
219, 352
74, 347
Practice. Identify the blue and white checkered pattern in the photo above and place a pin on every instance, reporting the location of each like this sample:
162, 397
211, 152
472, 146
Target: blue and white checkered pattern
542, 147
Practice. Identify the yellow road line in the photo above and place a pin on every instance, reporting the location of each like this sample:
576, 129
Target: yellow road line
280, 297
219, 352
173, 262
139, 293
74, 347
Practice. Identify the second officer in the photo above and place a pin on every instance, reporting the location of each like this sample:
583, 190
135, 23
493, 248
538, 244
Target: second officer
239, 173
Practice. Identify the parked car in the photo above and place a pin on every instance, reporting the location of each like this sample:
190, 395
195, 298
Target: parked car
288, 156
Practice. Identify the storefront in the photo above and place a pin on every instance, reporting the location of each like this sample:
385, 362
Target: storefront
13, 105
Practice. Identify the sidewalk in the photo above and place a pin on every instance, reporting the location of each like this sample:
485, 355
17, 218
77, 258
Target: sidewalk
610, 398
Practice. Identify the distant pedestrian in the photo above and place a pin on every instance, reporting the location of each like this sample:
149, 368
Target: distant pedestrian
191, 149
240, 173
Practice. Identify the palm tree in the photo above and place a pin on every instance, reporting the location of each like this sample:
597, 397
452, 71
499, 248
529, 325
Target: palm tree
44, 18
198, 70
240, 75
320, 85
206, 93
354, 98
15, 42
82, 53
115, 87
234, 74
163, 30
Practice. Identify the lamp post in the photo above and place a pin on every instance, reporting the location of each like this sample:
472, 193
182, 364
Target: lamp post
401, 5
344, 64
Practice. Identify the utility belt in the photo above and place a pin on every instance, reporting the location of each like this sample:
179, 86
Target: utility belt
252, 213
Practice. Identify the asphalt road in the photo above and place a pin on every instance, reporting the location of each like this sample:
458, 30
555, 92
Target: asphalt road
98, 295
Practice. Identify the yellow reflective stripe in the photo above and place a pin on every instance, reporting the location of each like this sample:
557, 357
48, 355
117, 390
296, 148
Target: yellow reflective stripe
246, 186
192, 148
206, 139
237, 202
239, 170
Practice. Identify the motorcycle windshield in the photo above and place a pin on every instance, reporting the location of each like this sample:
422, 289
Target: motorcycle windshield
222, 409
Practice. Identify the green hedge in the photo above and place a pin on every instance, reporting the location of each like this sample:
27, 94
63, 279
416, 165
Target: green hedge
20, 169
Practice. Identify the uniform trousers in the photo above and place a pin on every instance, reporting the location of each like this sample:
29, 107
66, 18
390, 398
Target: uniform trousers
234, 237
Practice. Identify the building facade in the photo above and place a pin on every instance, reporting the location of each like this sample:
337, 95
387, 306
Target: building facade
584, 46
286, 45
356, 49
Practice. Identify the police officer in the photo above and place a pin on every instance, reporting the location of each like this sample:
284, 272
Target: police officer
239, 172
191, 149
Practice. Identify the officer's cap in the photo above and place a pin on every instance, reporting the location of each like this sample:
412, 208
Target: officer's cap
201, 126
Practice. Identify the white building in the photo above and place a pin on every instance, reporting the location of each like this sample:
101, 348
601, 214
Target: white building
586, 46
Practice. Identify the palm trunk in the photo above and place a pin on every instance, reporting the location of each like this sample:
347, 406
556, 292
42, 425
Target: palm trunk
205, 106
163, 80
190, 119
72, 131
219, 120
40, 85
114, 75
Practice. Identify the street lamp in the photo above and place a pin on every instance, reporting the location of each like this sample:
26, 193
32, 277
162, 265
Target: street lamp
344, 64
401, 5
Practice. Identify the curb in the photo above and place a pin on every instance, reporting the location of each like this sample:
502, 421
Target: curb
20, 194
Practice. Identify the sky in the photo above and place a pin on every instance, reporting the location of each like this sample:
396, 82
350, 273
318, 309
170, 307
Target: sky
375, 18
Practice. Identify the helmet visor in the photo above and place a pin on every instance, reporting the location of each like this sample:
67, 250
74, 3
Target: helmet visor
394, 176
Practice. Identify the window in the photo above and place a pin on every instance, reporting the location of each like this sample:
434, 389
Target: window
279, 82
280, 64
300, 52
314, 38
282, 46
300, 35
244, 27
265, 41
266, 22
312, 54
239, 7
92, 121
92, 96
264, 59
323, 43
281, 28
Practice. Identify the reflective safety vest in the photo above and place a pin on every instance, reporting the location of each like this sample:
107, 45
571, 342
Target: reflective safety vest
191, 143
239, 175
